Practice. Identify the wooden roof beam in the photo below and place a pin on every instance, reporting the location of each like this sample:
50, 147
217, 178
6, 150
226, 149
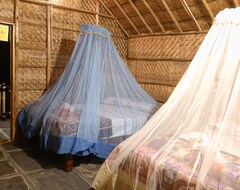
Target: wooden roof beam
187, 9
208, 9
236, 3
139, 14
154, 15
119, 24
124, 13
171, 15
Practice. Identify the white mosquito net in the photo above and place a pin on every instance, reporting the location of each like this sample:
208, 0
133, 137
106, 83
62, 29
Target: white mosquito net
193, 140
95, 104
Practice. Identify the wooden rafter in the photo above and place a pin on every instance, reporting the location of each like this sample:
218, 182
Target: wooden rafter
119, 24
56, 5
236, 3
125, 14
139, 14
187, 9
171, 15
154, 15
208, 9
97, 12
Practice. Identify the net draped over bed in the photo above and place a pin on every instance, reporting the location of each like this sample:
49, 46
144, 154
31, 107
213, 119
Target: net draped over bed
193, 140
96, 103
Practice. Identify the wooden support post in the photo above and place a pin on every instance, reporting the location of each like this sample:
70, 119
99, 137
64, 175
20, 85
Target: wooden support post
97, 12
68, 162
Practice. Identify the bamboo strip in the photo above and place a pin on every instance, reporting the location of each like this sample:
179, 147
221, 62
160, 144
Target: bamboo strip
125, 14
66, 7
167, 34
97, 12
13, 81
208, 9
6, 21
154, 15
159, 59
187, 9
139, 14
48, 72
171, 15
119, 24
14, 129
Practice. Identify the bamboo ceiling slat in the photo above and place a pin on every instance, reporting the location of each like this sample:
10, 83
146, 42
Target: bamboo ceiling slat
171, 15
139, 14
208, 9
120, 25
185, 5
124, 13
154, 15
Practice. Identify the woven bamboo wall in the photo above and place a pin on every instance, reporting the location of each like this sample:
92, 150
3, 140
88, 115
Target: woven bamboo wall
158, 62
42, 60
7, 10
44, 37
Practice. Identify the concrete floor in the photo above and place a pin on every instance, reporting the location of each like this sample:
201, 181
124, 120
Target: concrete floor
25, 166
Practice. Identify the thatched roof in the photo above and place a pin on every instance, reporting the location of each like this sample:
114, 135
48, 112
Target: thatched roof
138, 17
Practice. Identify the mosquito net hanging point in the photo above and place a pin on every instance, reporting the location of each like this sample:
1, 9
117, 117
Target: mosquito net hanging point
95, 104
192, 141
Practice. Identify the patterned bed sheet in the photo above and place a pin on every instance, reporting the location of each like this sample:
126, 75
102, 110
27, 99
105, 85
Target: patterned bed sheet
177, 168
67, 122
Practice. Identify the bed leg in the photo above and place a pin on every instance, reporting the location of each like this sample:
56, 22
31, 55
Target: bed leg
68, 163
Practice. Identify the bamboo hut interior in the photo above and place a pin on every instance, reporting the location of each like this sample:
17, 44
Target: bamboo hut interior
157, 39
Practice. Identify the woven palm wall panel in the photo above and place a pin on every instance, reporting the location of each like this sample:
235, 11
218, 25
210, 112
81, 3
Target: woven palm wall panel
7, 10
158, 62
46, 37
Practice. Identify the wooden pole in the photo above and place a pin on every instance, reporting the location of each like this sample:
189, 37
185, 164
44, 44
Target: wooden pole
187, 9
49, 60
97, 12
15, 132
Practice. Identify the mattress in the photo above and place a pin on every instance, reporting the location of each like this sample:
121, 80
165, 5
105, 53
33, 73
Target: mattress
112, 122
176, 170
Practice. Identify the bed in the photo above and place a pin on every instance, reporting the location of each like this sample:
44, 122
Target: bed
60, 131
176, 170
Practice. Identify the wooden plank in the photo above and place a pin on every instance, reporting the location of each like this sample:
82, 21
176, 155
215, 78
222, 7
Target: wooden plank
127, 17
171, 15
154, 15
187, 9
15, 132
139, 14
208, 9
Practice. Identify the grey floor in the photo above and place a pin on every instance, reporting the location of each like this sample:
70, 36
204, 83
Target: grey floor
25, 166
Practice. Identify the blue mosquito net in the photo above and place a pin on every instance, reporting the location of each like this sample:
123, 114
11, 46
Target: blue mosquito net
95, 104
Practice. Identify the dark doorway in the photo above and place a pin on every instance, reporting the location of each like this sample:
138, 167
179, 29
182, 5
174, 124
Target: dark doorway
5, 73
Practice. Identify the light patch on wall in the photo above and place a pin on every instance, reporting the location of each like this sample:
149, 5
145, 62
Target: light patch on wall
4, 31
58, 1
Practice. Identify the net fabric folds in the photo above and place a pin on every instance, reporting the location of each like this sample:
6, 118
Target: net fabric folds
95, 105
192, 141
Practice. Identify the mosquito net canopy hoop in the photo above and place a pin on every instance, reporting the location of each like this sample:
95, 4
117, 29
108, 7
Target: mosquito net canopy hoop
96, 103
192, 141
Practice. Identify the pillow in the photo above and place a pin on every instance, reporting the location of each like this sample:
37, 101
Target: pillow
117, 101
